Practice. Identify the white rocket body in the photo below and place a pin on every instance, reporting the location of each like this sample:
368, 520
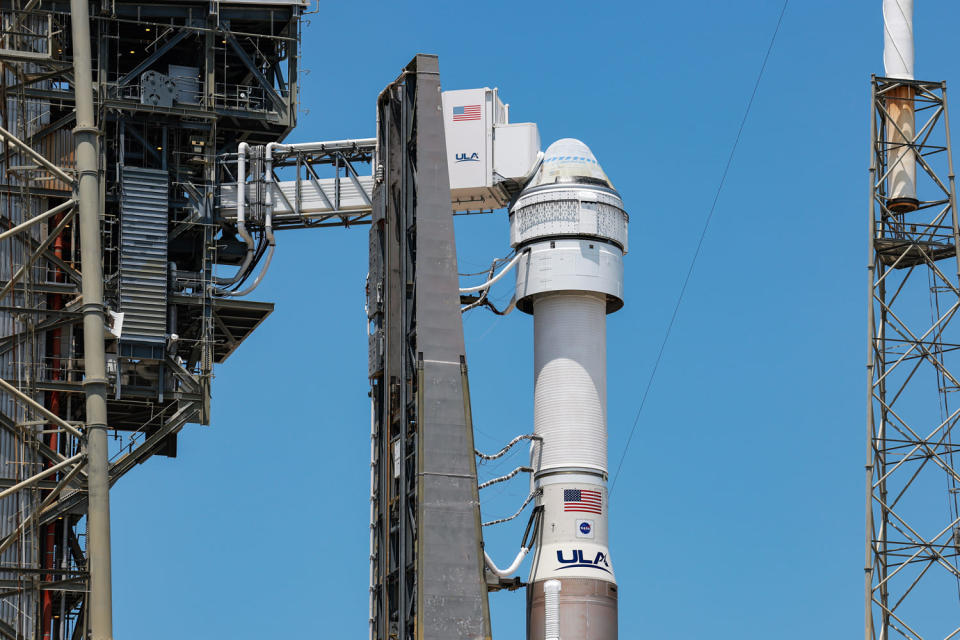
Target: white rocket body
572, 222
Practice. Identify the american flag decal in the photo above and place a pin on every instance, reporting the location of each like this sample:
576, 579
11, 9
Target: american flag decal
583, 500
466, 112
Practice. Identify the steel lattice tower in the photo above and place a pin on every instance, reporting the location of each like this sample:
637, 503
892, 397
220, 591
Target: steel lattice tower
912, 577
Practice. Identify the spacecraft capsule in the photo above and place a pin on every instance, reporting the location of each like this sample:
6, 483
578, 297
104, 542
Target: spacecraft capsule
572, 224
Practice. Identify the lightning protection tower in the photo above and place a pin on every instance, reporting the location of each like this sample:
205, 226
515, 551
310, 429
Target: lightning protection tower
912, 582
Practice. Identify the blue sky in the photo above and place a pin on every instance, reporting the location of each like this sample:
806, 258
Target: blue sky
739, 511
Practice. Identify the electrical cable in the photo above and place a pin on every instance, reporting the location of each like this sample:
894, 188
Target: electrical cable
533, 494
696, 253
509, 445
513, 473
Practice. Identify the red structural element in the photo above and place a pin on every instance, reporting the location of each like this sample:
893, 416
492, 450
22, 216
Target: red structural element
49, 535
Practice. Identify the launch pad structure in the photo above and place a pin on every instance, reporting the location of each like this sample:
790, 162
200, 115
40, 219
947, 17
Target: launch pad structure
112, 126
162, 130
142, 188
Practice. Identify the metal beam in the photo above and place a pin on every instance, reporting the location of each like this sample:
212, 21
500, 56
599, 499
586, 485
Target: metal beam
38, 218
39, 408
267, 86
13, 140
50, 498
86, 135
40, 476
153, 57
10, 284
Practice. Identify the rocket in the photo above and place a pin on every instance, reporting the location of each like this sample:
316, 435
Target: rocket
570, 228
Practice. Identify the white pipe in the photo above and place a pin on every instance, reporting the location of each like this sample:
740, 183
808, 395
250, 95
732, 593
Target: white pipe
489, 283
40, 476
35, 219
331, 145
898, 47
551, 610
373, 484
898, 52
506, 573
268, 223
242, 151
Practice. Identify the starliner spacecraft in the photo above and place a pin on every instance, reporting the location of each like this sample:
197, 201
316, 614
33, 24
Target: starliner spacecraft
570, 228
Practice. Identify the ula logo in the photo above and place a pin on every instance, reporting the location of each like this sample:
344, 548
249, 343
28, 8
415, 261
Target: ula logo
577, 560
473, 157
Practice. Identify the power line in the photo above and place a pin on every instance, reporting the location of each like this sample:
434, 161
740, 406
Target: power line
696, 254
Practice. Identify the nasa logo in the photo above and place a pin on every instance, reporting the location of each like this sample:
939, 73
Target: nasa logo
577, 560
585, 528
473, 157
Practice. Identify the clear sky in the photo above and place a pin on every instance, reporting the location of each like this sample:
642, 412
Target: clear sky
739, 511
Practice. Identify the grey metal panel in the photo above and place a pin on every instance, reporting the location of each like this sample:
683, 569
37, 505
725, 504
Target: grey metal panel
143, 255
427, 577
453, 592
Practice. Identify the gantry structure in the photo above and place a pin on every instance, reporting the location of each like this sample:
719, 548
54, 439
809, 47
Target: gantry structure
427, 578
114, 303
912, 577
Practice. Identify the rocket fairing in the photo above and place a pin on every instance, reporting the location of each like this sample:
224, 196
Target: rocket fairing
571, 224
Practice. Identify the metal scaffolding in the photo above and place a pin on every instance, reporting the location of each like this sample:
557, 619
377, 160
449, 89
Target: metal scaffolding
113, 95
912, 577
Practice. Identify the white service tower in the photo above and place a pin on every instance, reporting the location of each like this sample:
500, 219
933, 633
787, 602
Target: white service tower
570, 228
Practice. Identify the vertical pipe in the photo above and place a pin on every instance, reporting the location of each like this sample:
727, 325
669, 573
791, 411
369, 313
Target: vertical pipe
86, 134
898, 57
871, 269
951, 178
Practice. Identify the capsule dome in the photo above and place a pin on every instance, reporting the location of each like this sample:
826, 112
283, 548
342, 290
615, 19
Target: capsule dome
569, 161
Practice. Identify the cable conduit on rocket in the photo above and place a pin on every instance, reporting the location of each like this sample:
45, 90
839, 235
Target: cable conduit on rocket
533, 494
489, 483
526, 436
506, 573
489, 283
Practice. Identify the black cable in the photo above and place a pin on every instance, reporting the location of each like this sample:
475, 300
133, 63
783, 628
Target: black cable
696, 254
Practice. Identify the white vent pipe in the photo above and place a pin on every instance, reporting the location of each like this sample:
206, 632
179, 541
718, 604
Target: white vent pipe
901, 126
551, 610
898, 39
